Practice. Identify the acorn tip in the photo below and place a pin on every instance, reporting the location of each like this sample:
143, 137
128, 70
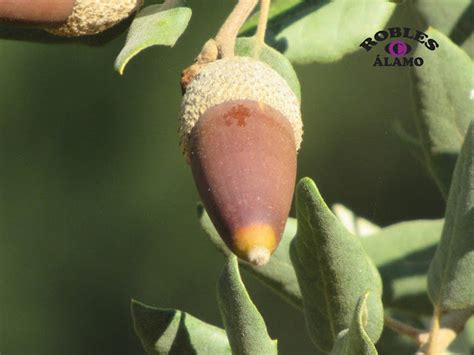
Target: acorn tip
259, 256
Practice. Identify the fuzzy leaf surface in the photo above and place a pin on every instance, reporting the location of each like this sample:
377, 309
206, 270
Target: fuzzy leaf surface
355, 340
333, 270
402, 253
454, 18
451, 274
278, 273
249, 47
245, 326
323, 31
442, 88
154, 25
169, 331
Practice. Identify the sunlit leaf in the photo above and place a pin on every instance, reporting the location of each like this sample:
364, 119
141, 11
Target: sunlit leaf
154, 25
245, 326
169, 331
333, 270
442, 90
324, 31
451, 274
355, 340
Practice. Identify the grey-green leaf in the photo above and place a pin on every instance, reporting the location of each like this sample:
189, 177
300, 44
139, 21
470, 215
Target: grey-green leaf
454, 18
353, 223
169, 331
245, 326
278, 273
325, 31
249, 47
442, 89
154, 25
333, 270
355, 340
402, 253
451, 274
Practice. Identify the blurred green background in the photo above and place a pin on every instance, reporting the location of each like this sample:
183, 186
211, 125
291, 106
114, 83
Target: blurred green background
97, 205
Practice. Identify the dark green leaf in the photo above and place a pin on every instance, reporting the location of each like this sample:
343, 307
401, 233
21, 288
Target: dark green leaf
454, 18
442, 90
324, 31
412, 143
451, 274
278, 273
245, 326
402, 253
169, 331
355, 340
154, 25
249, 47
332, 270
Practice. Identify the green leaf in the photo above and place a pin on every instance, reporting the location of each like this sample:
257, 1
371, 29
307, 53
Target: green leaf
249, 47
324, 31
353, 223
451, 274
355, 340
442, 90
169, 331
412, 143
279, 10
332, 270
402, 253
154, 25
245, 326
278, 273
453, 18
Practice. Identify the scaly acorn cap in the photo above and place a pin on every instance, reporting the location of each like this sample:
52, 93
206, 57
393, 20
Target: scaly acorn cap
90, 17
237, 78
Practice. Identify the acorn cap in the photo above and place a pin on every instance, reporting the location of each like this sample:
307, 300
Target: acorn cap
237, 78
90, 17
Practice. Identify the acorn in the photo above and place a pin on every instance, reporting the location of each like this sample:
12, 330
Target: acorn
90, 17
41, 11
240, 130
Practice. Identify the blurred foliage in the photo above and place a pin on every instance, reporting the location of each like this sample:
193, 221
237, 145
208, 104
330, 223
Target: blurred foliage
97, 205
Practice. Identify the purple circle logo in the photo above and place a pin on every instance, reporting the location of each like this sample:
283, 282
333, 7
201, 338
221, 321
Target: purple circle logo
397, 48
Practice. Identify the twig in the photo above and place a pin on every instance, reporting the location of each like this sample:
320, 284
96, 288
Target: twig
224, 43
403, 328
432, 346
448, 327
262, 21
225, 38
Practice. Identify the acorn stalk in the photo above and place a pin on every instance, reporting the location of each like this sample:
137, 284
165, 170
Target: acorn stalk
240, 131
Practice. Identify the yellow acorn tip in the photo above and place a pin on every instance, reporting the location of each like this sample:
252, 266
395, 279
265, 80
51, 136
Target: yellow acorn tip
259, 256
255, 243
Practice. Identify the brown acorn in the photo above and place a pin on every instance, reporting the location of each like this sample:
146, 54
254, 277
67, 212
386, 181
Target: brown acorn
39, 11
90, 17
240, 130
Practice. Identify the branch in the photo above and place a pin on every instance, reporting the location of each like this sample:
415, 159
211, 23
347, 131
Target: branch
443, 331
225, 38
403, 328
262, 21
